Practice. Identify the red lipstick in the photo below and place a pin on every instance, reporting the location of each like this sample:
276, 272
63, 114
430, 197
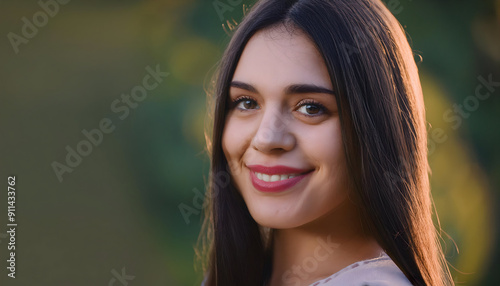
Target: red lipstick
280, 185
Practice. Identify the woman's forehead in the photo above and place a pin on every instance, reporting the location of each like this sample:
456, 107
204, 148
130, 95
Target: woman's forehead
278, 57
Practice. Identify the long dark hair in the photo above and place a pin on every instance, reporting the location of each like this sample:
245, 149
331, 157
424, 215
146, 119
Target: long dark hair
382, 115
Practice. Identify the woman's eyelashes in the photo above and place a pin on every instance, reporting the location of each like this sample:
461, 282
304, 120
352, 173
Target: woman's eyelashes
245, 103
311, 108
307, 107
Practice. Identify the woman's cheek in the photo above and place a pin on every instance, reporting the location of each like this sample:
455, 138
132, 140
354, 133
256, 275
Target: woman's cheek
324, 143
233, 144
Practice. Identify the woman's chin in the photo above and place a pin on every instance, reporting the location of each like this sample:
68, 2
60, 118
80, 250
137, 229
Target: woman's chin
278, 221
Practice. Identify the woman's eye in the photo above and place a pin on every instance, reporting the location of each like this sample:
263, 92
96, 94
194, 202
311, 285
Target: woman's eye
311, 109
246, 103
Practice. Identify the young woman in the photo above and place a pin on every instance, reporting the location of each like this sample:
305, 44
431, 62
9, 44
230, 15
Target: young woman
319, 172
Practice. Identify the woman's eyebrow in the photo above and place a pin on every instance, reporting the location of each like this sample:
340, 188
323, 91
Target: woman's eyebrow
307, 88
242, 85
291, 89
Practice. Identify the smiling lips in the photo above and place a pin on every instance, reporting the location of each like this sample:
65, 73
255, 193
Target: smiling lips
275, 178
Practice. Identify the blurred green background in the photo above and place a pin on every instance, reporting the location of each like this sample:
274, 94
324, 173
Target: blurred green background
118, 210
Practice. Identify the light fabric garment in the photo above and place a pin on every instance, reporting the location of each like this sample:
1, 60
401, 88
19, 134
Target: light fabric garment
380, 271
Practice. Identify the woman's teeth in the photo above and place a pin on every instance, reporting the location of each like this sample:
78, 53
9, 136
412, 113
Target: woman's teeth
274, 178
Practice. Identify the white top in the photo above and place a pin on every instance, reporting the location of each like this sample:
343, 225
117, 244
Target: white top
380, 271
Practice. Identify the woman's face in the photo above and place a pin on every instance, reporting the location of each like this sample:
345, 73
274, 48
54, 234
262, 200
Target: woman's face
282, 136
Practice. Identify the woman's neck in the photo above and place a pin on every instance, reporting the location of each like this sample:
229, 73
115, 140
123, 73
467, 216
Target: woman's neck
318, 249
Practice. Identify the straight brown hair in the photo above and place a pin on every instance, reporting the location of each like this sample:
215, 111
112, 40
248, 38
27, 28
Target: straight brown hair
382, 115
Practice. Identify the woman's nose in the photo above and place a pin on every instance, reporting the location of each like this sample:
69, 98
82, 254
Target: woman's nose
274, 133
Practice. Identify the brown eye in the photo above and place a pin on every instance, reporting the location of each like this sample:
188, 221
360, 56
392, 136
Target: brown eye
246, 103
311, 108
249, 104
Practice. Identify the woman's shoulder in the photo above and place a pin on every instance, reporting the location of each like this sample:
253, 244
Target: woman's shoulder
380, 271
